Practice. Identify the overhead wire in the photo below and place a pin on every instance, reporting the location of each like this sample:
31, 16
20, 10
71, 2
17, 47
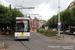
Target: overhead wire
44, 6
22, 4
10, 2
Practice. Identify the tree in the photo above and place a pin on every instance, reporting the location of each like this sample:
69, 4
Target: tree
5, 15
15, 13
53, 21
73, 15
66, 17
43, 26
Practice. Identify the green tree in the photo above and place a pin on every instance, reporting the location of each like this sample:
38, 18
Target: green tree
5, 15
66, 17
15, 13
73, 15
53, 21
43, 26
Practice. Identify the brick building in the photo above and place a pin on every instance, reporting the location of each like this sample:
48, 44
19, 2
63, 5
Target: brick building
72, 4
34, 23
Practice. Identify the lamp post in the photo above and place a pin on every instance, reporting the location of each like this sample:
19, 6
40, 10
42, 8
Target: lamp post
58, 17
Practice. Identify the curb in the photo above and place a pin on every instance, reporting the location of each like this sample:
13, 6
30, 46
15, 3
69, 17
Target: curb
2, 46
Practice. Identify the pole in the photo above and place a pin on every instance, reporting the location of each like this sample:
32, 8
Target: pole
39, 22
10, 7
63, 32
58, 17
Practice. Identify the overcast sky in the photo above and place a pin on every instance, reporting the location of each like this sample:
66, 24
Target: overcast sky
45, 8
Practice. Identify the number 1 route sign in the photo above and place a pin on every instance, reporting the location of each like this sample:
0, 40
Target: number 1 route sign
59, 23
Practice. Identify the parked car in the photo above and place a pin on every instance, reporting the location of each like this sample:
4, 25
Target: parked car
61, 32
68, 32
73, 30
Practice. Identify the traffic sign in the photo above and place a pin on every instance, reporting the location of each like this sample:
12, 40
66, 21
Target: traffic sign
69, 26
59, 23
58, 26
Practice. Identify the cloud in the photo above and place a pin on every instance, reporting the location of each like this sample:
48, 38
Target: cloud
46, 12
63, 4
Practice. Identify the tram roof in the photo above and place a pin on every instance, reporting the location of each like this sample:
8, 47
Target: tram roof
22, 18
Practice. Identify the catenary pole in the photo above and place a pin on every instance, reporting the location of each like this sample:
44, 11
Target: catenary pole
58, 17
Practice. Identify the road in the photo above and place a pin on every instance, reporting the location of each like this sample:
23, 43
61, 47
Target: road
36, 42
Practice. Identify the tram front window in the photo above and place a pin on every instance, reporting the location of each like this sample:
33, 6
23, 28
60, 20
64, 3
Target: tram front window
22, 27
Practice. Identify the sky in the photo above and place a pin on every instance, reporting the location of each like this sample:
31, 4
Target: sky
45, 8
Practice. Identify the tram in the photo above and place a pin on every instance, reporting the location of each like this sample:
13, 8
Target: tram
22, 28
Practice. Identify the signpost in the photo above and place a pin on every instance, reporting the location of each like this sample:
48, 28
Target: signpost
59, 26
59, 23
59, 17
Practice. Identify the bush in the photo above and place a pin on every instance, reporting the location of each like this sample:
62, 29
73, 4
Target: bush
37, 30
48, 32
41, 31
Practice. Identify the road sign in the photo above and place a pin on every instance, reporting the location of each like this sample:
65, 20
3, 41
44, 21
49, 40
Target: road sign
58, 26
59, 23
69, 26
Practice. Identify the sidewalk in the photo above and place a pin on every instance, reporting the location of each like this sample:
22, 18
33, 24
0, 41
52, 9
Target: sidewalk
2, 46
65, 39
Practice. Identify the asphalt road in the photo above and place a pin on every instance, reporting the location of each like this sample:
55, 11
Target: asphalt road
36, 42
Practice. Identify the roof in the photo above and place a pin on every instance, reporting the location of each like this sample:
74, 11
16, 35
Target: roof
35, 18
30, 18
71, 4
43, 20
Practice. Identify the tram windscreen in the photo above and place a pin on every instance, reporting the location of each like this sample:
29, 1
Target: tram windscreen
22, 26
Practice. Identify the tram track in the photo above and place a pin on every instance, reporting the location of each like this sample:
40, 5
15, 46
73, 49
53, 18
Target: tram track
37, 46
32, 44
24, 45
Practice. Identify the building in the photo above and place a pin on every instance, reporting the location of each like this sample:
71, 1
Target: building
72, 4
42, 22
35, 23
31, 21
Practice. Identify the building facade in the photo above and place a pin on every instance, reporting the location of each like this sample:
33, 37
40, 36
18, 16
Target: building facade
72, 4
35, 23
42, 22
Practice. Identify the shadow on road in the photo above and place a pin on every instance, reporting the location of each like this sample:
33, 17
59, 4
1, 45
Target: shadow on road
21, 40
